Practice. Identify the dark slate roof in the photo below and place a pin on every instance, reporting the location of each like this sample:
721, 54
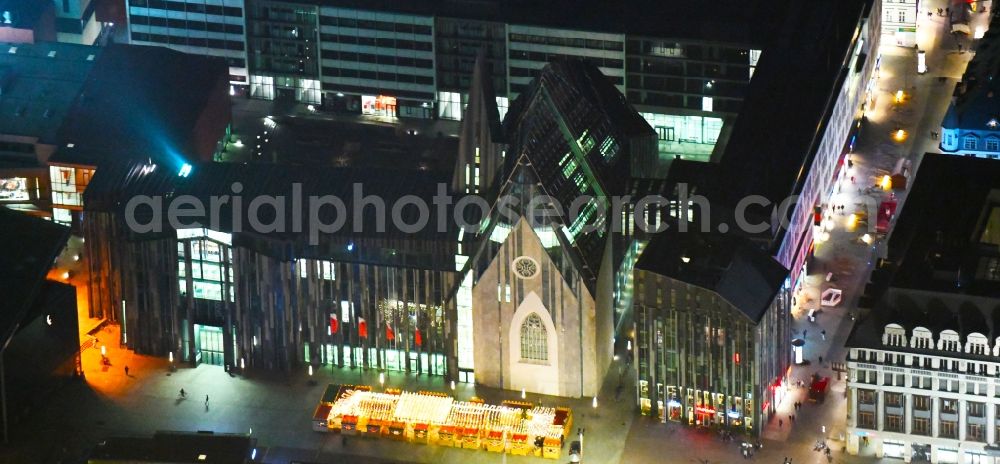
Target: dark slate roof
114, 185
914, 308
732, 266
937, 243
789, 102
39, 83
571, 98
140, 102
733, 21
28, 247
177, 448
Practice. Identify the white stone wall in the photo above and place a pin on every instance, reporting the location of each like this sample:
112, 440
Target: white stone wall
572, 369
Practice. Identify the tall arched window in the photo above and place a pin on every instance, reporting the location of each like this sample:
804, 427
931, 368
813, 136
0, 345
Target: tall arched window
534, 339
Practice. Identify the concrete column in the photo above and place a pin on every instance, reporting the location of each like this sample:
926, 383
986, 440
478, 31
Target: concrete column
853, 443
880, 411
961, 424
935, 414
852, 409
990, 419
908, 416
907, 451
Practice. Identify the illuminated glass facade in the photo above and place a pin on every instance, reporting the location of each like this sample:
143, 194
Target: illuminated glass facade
690, 137
68, 184
204, 265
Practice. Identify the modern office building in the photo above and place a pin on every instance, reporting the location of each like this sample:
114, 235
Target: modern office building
899, 21
65, 109
201, 27
224, 293
794, 147
971, 126
923, 365
81, 21
415, 59
712, 331
689, 287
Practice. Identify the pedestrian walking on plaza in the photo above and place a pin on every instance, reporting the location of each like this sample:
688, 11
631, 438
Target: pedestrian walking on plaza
126, 371
820, 361
824, 334
780, 423
206, 401
183, 394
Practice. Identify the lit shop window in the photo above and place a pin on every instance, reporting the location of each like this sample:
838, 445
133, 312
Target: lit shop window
262, 87
67, 183
450, 105
325, 270
62, 216
687, 129
14, 189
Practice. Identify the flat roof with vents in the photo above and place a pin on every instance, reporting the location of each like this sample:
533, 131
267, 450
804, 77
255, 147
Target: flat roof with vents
38, 83
176, 448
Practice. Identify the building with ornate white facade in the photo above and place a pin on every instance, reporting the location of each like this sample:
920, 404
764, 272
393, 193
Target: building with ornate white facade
924, 366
